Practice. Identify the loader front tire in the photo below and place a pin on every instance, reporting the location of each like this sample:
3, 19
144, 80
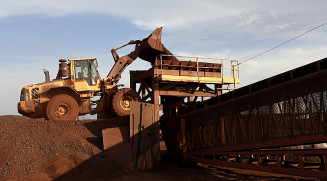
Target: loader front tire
121, 100
62, 107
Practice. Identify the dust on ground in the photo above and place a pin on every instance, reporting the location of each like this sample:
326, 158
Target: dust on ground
36, 149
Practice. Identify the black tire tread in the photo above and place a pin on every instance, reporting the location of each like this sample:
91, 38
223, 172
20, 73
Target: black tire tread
74, 108
117, 96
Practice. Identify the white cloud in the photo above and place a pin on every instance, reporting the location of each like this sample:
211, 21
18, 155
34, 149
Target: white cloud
216, 55
255, 16
201, 24
275, 63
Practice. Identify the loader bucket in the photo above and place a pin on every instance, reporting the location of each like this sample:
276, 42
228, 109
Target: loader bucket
151, 47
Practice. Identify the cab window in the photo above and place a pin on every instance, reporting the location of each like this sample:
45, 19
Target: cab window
94, 72
86, 69
81, 69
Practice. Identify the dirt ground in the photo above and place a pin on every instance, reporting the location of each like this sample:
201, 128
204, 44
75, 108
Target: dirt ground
35, 149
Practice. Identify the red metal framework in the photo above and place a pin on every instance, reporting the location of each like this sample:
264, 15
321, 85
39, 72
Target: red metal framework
172, 83
284, 110
292, 162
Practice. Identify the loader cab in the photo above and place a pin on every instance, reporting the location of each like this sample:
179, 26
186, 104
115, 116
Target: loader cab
85, 69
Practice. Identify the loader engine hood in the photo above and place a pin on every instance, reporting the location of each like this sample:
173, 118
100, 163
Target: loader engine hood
33, 91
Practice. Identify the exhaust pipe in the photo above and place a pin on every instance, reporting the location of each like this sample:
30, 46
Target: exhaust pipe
47, 76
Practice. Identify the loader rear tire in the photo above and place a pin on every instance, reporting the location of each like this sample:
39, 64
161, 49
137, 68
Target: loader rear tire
121, 100
62, 107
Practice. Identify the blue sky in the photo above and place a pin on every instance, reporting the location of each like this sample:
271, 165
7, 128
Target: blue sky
35, 34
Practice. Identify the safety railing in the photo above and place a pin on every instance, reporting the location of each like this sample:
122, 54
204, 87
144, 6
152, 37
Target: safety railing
201, 66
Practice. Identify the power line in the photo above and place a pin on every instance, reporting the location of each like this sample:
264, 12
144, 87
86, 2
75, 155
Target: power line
283, 43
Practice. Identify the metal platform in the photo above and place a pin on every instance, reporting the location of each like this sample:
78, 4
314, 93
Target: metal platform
190, 78
195, 70
175, 81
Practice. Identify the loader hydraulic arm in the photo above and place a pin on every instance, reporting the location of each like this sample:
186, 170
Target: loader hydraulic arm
122, 62
147, 49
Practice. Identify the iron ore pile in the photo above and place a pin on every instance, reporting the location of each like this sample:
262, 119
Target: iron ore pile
36, 149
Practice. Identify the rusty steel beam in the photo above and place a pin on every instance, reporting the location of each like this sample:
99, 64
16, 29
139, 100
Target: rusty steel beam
269, 161
186, 94
264, 152
281, 170
299, 140
284, 110
139, 75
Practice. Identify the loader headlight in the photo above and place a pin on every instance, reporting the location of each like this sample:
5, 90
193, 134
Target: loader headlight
24, 95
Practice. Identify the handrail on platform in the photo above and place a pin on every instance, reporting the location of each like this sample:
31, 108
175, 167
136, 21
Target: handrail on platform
227, 71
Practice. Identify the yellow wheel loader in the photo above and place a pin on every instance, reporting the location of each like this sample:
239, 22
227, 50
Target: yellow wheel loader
77, 81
